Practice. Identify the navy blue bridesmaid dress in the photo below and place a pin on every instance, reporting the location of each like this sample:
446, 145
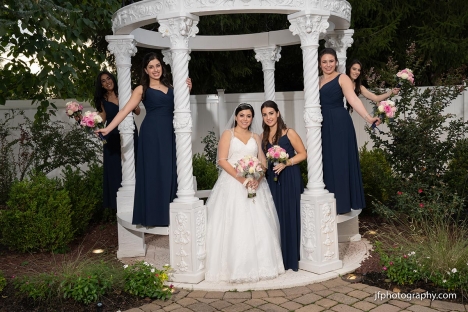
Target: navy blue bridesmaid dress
112, 160
156, 171
341, 168
286, 194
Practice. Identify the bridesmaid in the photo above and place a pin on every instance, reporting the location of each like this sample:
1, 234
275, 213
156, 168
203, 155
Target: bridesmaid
106, 101
288, 189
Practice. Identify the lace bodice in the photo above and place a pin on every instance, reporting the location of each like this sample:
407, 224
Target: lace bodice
238, 149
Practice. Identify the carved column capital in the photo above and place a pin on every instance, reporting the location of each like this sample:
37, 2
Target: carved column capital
308, 27
340, 41
167, 57
123, 47
179, 30
268, 56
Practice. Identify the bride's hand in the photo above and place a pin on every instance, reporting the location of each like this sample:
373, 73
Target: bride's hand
253, 184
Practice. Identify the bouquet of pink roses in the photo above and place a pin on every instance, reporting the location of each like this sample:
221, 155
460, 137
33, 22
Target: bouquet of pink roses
73, 109
405, 74
385, 110
276, 155
249, 167
93, 121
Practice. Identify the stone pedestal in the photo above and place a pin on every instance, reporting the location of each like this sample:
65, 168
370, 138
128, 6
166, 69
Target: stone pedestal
187, 241
319, 237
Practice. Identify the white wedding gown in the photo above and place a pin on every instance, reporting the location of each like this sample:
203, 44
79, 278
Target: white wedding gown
242, 241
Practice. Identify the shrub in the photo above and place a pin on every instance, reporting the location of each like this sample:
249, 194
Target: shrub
211, 147
457, 172
3, 281
205, 171
376, 176
38, 216
85, 192
45, 145
7, 165
39, 287
143, 280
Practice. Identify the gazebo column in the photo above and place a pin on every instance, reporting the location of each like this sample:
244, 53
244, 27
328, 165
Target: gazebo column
319, 242
187, 213
131, 243
268, 56
340, 41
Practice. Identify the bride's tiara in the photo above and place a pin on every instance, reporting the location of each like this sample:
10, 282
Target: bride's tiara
245, 104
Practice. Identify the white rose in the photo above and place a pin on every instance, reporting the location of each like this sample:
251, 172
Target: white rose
283, 155
251, 170
381, 108
454, 270
98, 119
69, 112
391, 103
404, 76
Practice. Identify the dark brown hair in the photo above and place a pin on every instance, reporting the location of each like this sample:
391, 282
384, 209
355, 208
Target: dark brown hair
357, 82
100, 93
144, 81
280, 126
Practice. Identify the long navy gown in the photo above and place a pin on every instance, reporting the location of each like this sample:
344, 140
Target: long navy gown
112, 160
341, 168
286, 194
156, 171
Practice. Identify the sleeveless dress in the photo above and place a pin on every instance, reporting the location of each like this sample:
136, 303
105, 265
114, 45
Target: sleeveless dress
242, 238
112, 160
156, 171
286, 194
341, 168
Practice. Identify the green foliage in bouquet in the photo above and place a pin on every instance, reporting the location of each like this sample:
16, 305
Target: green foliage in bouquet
85, 192
38, 216
143, 280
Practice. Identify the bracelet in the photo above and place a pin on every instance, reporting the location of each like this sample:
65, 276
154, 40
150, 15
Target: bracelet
365, 117
291, 161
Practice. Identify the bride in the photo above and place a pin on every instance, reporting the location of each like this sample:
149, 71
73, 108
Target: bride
242, 238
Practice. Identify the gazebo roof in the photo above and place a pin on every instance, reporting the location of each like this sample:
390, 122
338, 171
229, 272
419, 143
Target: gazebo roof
130, 18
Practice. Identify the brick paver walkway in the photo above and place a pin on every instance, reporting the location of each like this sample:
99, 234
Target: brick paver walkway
332, 295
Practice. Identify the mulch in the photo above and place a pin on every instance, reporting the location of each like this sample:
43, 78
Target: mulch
104, 236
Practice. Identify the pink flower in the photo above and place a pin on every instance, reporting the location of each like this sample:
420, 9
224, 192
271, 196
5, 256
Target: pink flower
405, 256
391, 262
390, 114
421, 205
90, 123
399, 193
387, 109
420, 191
384, 268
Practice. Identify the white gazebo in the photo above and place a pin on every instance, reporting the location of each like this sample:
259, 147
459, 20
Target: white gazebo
310, 21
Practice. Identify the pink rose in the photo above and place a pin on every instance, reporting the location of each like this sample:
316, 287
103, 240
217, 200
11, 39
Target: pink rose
387, 109
90, 123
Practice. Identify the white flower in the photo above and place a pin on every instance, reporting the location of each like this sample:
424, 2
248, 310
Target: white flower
412, 253
125, 266
381, 108
444, 281
152, 270
146, 263
392, 104
454, 270
69, 112
404, 76
415, 271
98, 119
166, 265
283, 155
251, 170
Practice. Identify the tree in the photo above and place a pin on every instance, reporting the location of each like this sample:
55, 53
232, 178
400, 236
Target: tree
64, 40
385, 28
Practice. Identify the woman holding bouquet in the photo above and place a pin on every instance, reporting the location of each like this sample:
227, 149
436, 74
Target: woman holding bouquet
156, 174
242, 238
106, 101
341, 168
354, 72
288, 187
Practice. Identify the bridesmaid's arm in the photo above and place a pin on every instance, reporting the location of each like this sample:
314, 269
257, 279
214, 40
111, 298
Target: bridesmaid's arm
135, 99
348, 91
296, 142
223, 152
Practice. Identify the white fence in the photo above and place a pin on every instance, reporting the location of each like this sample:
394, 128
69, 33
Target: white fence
211, 112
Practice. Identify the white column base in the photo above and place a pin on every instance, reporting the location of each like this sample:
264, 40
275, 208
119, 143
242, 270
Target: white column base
187, 232
319, 235
131, 242
348, 227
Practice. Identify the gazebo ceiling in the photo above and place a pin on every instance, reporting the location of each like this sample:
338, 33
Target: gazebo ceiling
130, 18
